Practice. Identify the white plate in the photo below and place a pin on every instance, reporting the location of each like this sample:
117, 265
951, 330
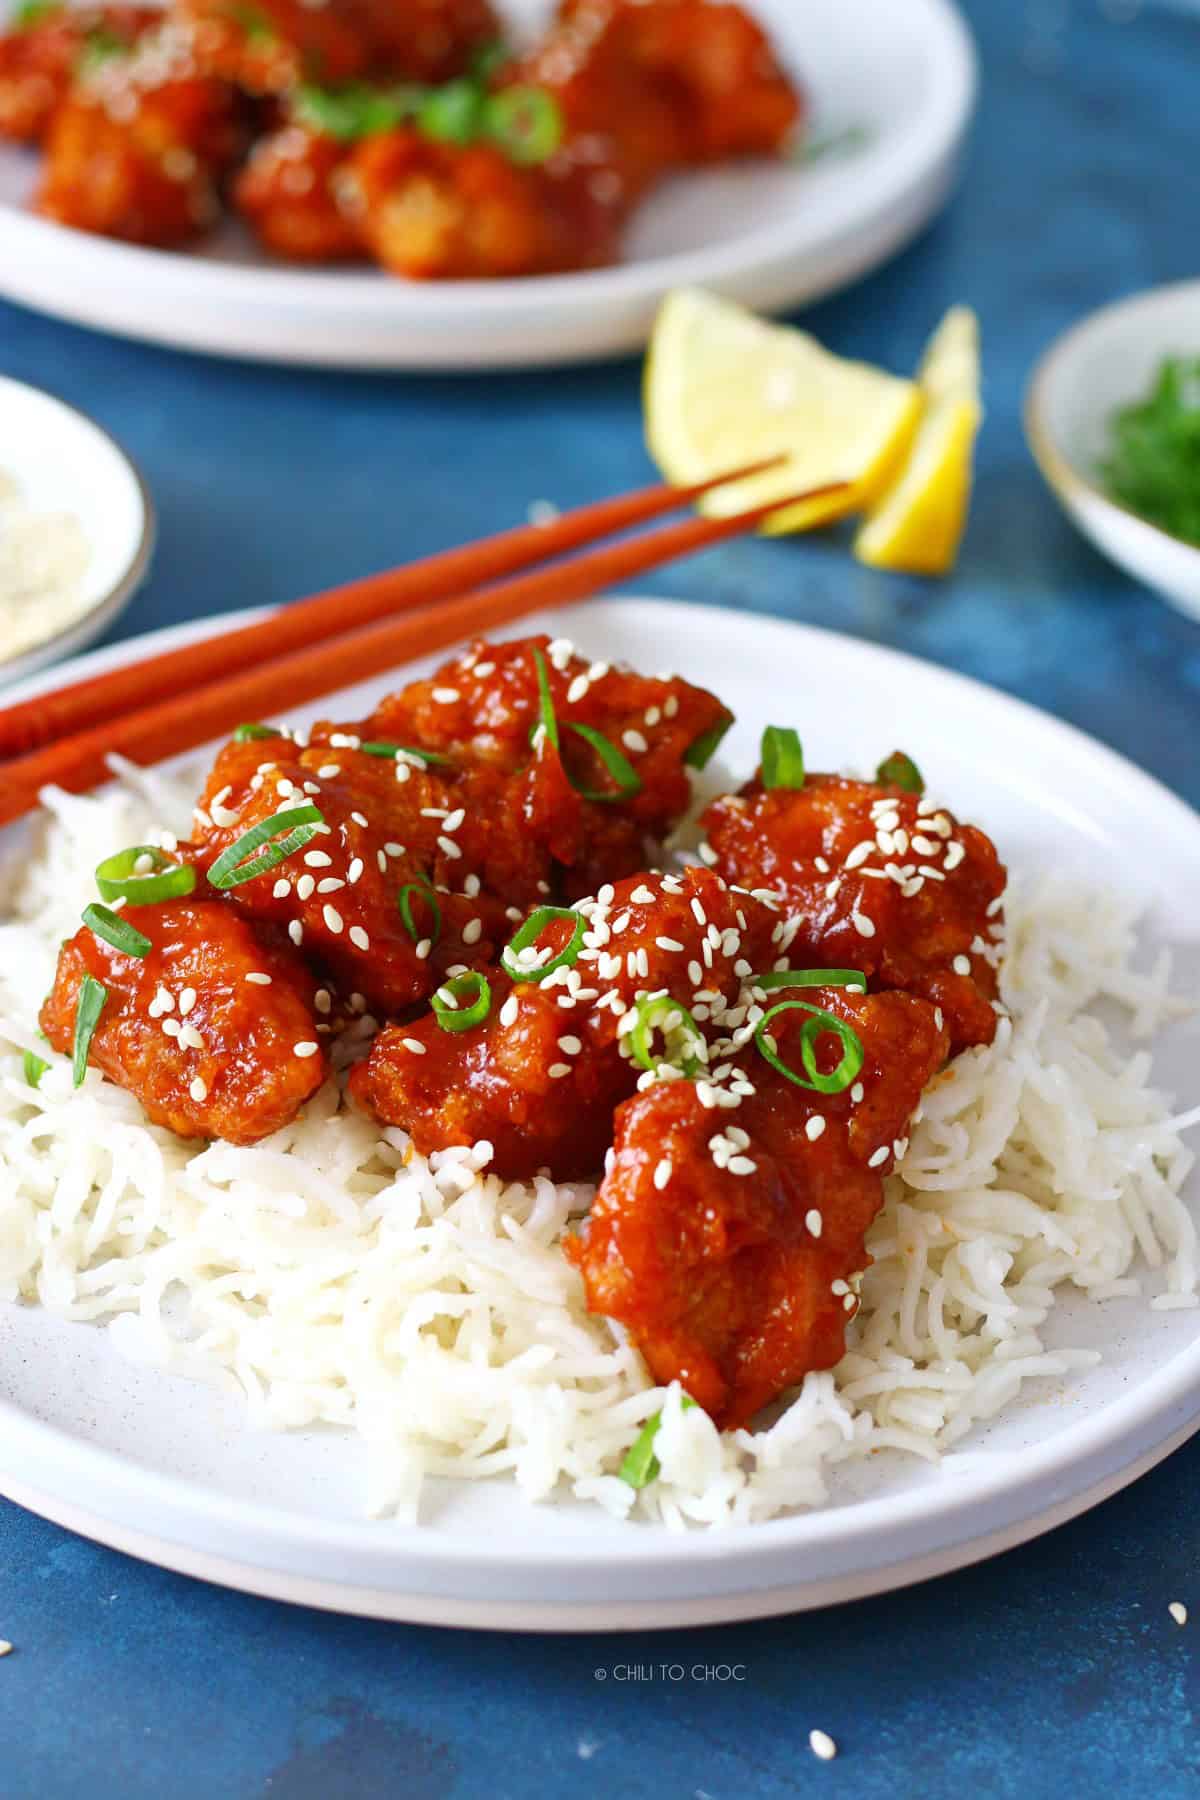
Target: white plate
901, 74
62, 462
1103, 363
169, 1471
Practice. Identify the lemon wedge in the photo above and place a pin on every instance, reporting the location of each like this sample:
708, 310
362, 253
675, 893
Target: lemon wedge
917, 524
723, 387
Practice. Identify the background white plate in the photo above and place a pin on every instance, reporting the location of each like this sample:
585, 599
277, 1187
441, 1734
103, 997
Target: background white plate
62, 462
900, 72
169, 1471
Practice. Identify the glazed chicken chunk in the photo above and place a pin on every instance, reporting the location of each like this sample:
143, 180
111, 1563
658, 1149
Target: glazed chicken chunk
540, 1078
213, 1028
47, 46
882, 879
726, 1238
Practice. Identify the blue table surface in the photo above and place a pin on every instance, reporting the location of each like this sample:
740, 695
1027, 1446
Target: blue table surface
1055, 1664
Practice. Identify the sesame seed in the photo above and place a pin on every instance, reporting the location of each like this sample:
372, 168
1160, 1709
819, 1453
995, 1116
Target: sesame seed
295, 931
814, 1128
662, 1172
961, 965
413, 1044
394, 849
698, 912
282, 888
633, 740
484, 669
857, 1092
258, 978
670, 706
822, 1745
305, 1048
472, 931
879, 1156
190, 1038
741, 1165
318, 859
354, 872
556, 1071
859, 854
570, 1046
1178, 1612
577, 689
454, 819
449, 848
812, 1220
199, 1089
954, 855
327, 771
305, 887
330, 885
359, 937
643, 895
333, 918
707, 854
864, 926
171, 1028
509, 1011
668, 943
359, 819
445, 696
323, 1000
423, 949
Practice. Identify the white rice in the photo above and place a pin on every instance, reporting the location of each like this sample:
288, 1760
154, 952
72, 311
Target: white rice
334, 1275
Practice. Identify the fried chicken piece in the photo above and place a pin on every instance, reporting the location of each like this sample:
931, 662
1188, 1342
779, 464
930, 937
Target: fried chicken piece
724, 1239
379, 840
883, 881
139, 150
213, 1029
540, 1077
44, 48
271, 46
286, 192
439, 211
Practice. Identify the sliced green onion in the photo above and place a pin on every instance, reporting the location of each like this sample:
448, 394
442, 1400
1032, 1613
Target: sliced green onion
116, 931
658, 1012
547, 717
424, 892
782, 758
380, 747
448, 1003
529, 934
451, 114
300, 824
781, 978
89, 1006
628, 780
488, 60
901, 771
814, 1029
252, 731
357, 110
525, 122
641, 1466
35, 1067
256, 25
32, 12
118, 879
701, 750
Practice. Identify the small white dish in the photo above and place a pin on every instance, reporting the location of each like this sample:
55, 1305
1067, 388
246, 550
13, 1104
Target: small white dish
1105, 362
60, 461
891, 90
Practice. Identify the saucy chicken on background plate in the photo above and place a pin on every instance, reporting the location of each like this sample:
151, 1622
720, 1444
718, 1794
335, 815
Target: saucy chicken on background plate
404, 132
470, 892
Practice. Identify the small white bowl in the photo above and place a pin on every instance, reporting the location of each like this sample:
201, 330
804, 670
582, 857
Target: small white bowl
62, 462
1098, 366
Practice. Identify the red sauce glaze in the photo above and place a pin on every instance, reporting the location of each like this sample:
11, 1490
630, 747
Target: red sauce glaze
717, 1271
918, 930
540, 1078
38, 60
254, 1082
286, 192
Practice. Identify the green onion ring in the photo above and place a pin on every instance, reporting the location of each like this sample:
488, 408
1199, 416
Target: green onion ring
782, 758
547, 717
116, 879
528, 935
34, 1067
653, 1012
899, 770
116, 931
299, 822
89, 1006
641, 1466
252, 731
628, 781
379, 747
423, 890
701, 750
451, 114
780, 978
525, 122
456, 1017
821, 1022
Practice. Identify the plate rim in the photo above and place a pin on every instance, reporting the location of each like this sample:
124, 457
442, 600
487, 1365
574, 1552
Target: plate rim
918, 157
1105, 1442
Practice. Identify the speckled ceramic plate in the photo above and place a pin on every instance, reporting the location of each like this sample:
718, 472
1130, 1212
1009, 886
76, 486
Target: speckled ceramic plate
891, 86
169, 1471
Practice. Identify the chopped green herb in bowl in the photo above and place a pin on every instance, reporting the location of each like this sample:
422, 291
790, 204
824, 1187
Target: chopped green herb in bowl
1153, 465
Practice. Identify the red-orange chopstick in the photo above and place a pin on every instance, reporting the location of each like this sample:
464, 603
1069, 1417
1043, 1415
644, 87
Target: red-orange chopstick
183, 721
32, 723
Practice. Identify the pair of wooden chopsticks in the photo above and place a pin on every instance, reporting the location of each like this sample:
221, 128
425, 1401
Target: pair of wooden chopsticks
174, 701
